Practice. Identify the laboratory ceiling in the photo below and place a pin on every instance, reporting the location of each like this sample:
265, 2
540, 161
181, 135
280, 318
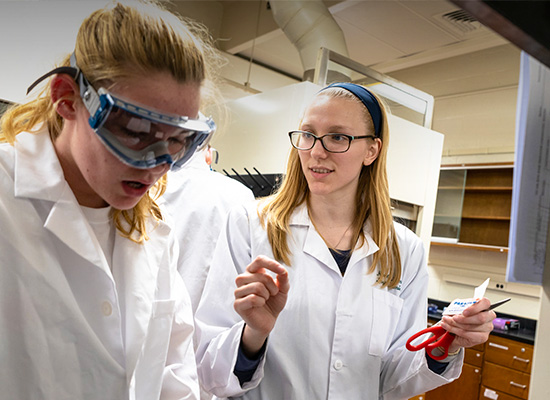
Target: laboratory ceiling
386, 35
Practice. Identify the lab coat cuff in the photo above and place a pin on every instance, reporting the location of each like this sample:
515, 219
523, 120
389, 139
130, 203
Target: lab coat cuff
454, 368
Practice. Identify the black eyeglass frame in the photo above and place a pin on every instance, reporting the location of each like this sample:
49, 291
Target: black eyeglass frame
315, 138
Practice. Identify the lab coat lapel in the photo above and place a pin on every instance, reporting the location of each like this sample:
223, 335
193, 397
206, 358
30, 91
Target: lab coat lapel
77, 234
314, 245
38, 175
368, 248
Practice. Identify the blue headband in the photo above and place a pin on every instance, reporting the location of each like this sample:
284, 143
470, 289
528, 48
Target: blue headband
367, 99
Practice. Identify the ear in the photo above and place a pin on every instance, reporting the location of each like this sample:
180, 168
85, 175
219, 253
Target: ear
64, 92
373, 150
208, 155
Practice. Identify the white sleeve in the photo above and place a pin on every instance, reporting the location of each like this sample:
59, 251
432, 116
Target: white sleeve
218, 325
405, 372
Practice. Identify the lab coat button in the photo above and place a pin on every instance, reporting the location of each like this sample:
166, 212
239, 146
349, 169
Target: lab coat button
106, 308
338, 364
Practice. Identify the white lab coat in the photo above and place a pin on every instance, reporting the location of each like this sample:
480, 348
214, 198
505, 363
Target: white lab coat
199, 200
338, 337
68, 328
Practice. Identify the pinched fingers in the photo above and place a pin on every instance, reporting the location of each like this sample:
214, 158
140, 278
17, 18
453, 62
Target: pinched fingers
261, 263
470, 330
261, 271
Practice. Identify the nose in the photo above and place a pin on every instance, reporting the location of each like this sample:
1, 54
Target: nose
160, 169
318, 151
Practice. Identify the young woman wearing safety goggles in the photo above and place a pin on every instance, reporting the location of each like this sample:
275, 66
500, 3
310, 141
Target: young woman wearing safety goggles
91, 304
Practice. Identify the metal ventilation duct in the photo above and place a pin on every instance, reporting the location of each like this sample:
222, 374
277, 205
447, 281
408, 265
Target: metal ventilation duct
309, 25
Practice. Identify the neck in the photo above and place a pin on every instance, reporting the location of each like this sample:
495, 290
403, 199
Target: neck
333, 221
331, 212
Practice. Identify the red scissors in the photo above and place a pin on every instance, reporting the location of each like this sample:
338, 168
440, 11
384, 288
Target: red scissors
440, 339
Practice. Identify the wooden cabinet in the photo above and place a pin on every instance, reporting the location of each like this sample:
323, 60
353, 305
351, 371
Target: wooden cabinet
468, 384
506, 370
498, 369
473, 205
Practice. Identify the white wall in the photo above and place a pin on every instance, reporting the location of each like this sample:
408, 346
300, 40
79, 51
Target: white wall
35, 36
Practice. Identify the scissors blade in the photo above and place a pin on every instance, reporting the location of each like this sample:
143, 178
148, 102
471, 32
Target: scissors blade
498, 303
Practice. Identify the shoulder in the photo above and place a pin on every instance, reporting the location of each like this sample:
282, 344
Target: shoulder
248, 211
206, 187
407, 238
413, 255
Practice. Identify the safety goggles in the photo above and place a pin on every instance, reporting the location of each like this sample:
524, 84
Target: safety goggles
137, 135
141, 137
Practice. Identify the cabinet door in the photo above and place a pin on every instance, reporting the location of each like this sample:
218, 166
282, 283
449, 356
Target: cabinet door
465, 387
506, 380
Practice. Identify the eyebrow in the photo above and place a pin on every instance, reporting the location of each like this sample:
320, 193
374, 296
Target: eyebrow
332, 128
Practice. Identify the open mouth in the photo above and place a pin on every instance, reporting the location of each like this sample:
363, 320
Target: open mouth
134, 184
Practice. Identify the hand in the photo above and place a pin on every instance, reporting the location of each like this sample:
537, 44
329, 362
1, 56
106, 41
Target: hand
259, 298
472, 327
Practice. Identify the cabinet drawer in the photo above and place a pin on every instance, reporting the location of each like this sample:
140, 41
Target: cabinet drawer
505, 380
509, 353
473, 357
491, 394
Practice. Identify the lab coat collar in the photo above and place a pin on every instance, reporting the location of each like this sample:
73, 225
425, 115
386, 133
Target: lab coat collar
315, 246
38, 173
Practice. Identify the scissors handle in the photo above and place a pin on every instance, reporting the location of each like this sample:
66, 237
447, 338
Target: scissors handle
437, 333
442, 344
441, 339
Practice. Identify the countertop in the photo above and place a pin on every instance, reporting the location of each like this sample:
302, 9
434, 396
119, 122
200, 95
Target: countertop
525, 333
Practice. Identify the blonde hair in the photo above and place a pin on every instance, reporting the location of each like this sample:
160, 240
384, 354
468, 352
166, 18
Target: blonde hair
372, 202
121, 41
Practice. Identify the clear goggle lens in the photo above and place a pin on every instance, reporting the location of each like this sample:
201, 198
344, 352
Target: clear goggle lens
143, 138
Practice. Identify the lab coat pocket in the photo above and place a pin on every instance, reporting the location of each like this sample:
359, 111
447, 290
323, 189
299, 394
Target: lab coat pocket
386, 309
152, 360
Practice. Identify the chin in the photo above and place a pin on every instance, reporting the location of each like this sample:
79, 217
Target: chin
319, 191
124, 205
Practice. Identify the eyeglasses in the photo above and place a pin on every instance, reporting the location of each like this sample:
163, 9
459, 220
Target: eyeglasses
332, 142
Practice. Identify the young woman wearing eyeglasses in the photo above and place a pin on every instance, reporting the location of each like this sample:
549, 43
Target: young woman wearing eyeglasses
327, 287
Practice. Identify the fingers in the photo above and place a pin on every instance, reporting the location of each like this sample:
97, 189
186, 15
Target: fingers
263, 262
480, 306
480, 322
282, 282
260, 296
473, 326
257, 280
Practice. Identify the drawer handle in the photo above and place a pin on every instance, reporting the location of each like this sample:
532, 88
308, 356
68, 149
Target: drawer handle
512, 383
498, 346
521, 359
